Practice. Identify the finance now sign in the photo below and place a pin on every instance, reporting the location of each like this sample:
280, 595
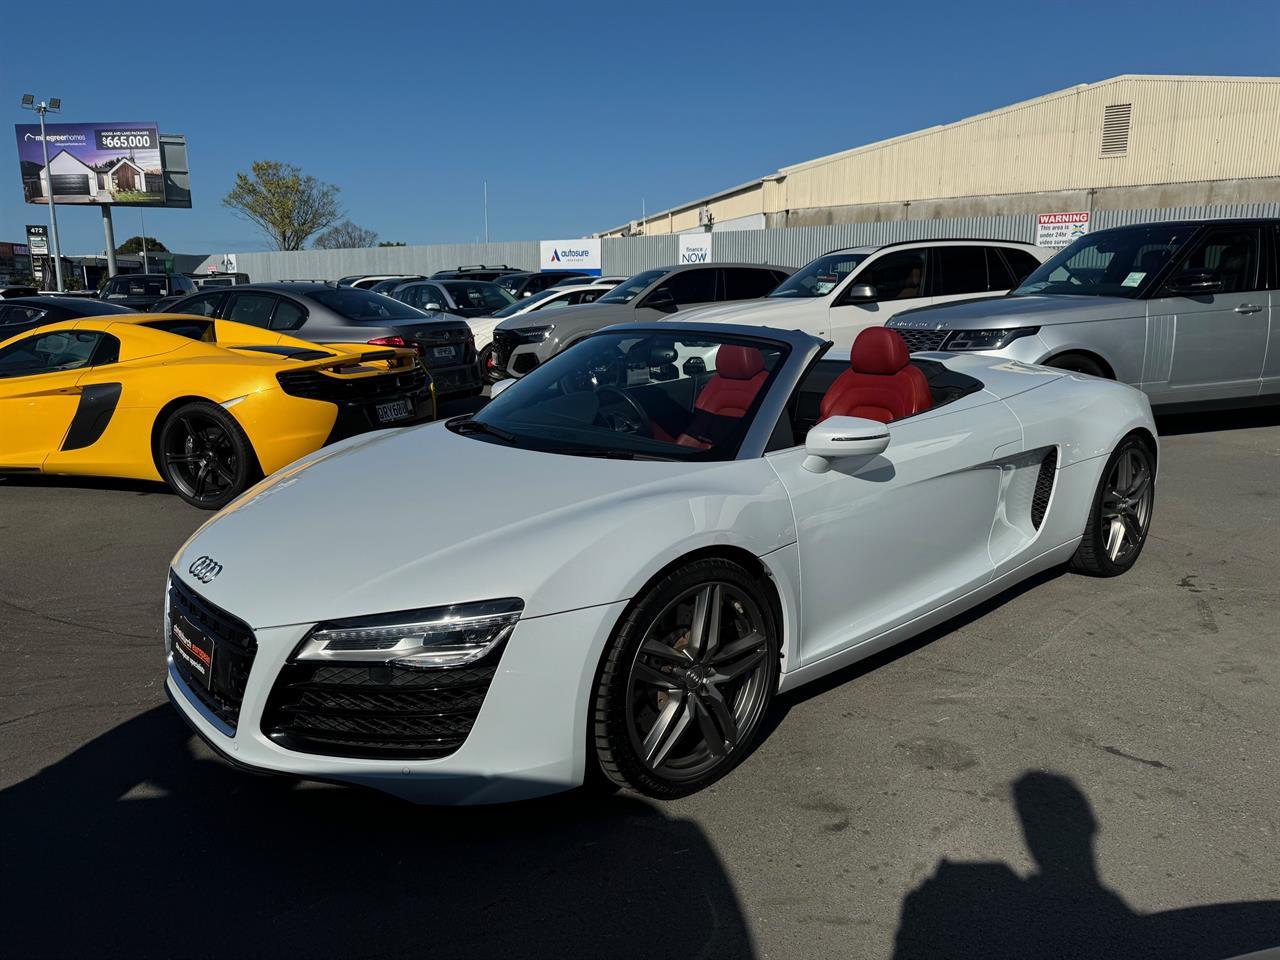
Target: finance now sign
695, 248
581, 255
1061, 229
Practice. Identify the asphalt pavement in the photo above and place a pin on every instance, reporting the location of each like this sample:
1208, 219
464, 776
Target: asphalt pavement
1078, 768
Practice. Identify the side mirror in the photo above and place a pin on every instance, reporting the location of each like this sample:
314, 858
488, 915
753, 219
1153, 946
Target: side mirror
1193, 282
695, 367
861, 293
660, 299
498, 387
432, 306
838, 437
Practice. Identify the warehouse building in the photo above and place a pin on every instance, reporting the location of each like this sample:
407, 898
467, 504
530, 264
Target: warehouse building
1131, 142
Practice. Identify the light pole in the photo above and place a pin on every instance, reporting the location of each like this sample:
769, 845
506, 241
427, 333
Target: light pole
41, 108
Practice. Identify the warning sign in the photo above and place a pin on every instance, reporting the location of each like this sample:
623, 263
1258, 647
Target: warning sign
1061, 229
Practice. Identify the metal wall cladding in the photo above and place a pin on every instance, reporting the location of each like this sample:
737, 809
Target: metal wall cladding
1182, 130
789, 247
424, 260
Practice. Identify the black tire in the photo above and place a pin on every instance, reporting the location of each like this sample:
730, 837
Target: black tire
1079, 363
1132, 467
483, 359
711, 693
204, 455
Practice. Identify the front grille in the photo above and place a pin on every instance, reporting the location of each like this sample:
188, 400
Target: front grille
353, 391
1044, 487
373, 711
919, 341
503, 344
234, 649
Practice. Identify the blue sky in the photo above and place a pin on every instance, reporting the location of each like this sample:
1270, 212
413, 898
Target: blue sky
574, 113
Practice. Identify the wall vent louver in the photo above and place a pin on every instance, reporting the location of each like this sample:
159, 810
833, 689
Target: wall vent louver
1115, 129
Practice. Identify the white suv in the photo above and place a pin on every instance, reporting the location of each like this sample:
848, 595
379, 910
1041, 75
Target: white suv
845, 291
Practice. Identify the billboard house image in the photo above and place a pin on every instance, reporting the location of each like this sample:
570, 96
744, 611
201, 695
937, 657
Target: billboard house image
115, 164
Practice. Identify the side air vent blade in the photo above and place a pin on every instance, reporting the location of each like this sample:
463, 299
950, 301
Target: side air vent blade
1044, 487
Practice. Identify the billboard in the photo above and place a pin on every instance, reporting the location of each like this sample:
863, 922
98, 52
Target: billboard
581, 255
109, 164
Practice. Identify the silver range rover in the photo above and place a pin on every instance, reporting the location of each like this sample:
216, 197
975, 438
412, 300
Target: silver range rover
1187, 311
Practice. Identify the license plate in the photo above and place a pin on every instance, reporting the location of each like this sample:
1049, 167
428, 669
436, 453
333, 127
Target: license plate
193, 649
443, 352
395, 410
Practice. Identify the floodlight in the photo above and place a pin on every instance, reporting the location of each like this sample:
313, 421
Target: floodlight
28, 99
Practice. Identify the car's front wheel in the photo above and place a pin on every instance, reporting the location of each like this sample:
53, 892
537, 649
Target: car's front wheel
1120, 516
204, 455
687, 680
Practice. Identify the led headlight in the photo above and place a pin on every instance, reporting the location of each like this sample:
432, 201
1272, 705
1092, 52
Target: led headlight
416, 639
533, 334
987, 339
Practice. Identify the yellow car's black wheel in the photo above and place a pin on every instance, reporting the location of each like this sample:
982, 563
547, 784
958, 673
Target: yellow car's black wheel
205, 456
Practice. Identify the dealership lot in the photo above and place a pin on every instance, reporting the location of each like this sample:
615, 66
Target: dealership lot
910, 779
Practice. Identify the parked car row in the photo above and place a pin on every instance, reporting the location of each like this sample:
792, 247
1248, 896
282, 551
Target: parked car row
1187, 311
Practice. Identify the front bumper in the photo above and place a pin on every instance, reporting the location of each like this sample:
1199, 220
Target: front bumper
514, 356
529, 738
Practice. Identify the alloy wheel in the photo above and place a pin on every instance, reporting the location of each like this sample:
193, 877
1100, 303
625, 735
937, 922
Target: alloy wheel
200, 457
1126, 504
698, 685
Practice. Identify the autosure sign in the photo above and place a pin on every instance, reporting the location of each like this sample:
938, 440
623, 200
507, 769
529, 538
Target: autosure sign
112, 164
695, 247
583, 255
1061, 229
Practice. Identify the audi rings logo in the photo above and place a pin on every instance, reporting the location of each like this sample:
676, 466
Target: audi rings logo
205, 569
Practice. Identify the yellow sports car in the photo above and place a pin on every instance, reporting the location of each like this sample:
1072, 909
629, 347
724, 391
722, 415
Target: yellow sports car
207, 406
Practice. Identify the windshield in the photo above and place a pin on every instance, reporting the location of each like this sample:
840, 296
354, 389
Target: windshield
636, 396
356, 304
478, 295
528, 303
628, 290
1114, 263
820, 277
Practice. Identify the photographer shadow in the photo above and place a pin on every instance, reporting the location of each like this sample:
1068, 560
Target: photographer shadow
1063, 910
142, 843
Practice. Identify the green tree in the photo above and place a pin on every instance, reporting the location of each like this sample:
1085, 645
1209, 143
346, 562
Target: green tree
134, 245
287, 205
345, 236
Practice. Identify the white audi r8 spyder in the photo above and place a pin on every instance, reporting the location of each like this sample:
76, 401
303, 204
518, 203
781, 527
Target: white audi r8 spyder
677, 522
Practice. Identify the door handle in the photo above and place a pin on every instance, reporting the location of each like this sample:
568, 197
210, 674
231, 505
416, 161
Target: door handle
1247, 308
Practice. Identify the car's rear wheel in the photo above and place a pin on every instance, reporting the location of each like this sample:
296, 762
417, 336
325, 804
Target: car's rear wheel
1121, 514
1079, 363
686, 681
205, 456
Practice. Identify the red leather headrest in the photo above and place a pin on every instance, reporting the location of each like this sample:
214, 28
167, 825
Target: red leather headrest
739, 363
879, 351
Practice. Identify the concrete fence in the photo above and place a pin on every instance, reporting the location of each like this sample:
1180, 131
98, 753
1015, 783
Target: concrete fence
791, 247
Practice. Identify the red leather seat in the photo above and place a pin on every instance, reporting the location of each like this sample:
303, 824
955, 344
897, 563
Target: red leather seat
728, 394
880, 383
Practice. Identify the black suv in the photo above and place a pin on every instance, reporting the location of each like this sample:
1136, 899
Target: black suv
142, 291
527, 284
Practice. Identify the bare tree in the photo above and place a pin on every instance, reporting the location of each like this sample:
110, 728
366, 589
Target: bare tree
345, 236
287, 205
